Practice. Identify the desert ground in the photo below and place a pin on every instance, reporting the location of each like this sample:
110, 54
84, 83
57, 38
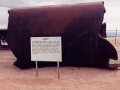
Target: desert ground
71, 78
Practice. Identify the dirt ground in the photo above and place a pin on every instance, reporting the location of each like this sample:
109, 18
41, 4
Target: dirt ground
71, 78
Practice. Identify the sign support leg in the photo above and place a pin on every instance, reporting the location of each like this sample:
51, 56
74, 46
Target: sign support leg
36, 68
58, 67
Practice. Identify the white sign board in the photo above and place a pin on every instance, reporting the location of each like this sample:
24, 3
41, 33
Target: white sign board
46, 49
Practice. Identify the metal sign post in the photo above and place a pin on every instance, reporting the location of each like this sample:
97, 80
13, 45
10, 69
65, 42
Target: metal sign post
115, 35
58, 67
36, 68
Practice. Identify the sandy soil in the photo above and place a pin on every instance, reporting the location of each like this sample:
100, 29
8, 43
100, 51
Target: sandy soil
71, 78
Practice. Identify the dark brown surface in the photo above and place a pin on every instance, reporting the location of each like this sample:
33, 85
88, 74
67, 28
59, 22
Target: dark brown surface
78, 25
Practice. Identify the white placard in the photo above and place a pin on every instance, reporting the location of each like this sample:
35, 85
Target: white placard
46, 49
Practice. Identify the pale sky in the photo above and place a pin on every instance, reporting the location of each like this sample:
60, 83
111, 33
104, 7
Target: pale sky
111, 17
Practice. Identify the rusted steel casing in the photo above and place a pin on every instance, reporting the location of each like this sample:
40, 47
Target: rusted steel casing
78, 25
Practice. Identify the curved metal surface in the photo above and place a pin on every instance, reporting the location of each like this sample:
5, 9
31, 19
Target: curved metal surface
78, 24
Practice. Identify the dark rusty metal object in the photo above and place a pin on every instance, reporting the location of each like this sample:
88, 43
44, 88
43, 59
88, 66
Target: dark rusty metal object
78, 25
102, 31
